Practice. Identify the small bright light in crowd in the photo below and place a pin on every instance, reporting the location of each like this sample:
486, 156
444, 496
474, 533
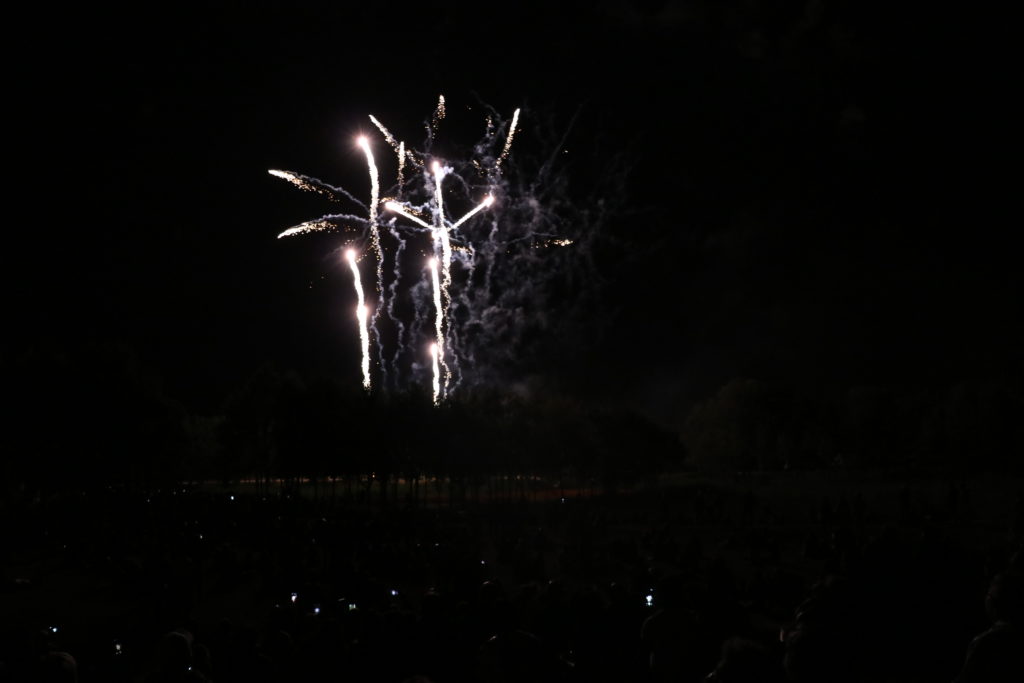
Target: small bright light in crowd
650, 600
393, 592
53, 629
232, 497
295, 596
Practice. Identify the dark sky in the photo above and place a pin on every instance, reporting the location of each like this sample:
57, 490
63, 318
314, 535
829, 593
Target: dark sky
811, 195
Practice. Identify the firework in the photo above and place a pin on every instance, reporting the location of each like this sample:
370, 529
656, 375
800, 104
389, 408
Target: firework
421, 211
374, 201
400, 210
326, 223
308, 184
438, 330
488, 200
508, 140
436, 384
364, 335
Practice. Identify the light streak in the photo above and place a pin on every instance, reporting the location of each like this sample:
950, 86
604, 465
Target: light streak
374, 239
322, 224
401, 167
438, 113
310, 184
364, 336
388, 137
441, 231
444, 244
508, 140
374, 201
307, 227
438, 329
488, 200
436, 383
400, 210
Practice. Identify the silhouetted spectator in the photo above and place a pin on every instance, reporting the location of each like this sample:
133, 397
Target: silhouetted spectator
520, 657
744, 661
997, 655
58, 667
673, 636
174, 660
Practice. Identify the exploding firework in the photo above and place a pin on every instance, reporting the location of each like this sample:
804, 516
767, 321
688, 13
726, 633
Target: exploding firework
479, 273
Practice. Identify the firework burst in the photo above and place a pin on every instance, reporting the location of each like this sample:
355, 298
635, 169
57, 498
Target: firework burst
465, 254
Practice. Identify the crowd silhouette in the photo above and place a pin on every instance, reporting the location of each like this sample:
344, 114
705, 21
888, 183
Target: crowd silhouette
698, 582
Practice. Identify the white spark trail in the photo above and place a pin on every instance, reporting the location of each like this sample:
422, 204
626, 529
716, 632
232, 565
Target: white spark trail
310, 184
308, 226
392, 297
436, 383
445, 244
400, 210
508, 140
322, 224
441, 232
438, 114
438, 177
441, 235
375, 234
438, 331
364, 336
488, 200
384, 131
374, 201
401, 167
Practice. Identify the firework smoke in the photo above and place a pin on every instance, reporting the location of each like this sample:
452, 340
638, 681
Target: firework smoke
489, 285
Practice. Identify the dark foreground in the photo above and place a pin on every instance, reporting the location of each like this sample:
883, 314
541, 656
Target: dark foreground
801, 578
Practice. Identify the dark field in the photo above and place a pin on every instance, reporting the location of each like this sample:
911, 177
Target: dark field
844, 576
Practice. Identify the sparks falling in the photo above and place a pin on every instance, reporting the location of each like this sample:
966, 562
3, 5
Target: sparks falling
416, 213
327, 223
374, 201
436, 384
364, 335
508, 140
441, 231
438, 348
488, 200
400, 210
315, 185
438, 114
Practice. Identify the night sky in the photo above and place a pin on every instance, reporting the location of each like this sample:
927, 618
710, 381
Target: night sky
809, 193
